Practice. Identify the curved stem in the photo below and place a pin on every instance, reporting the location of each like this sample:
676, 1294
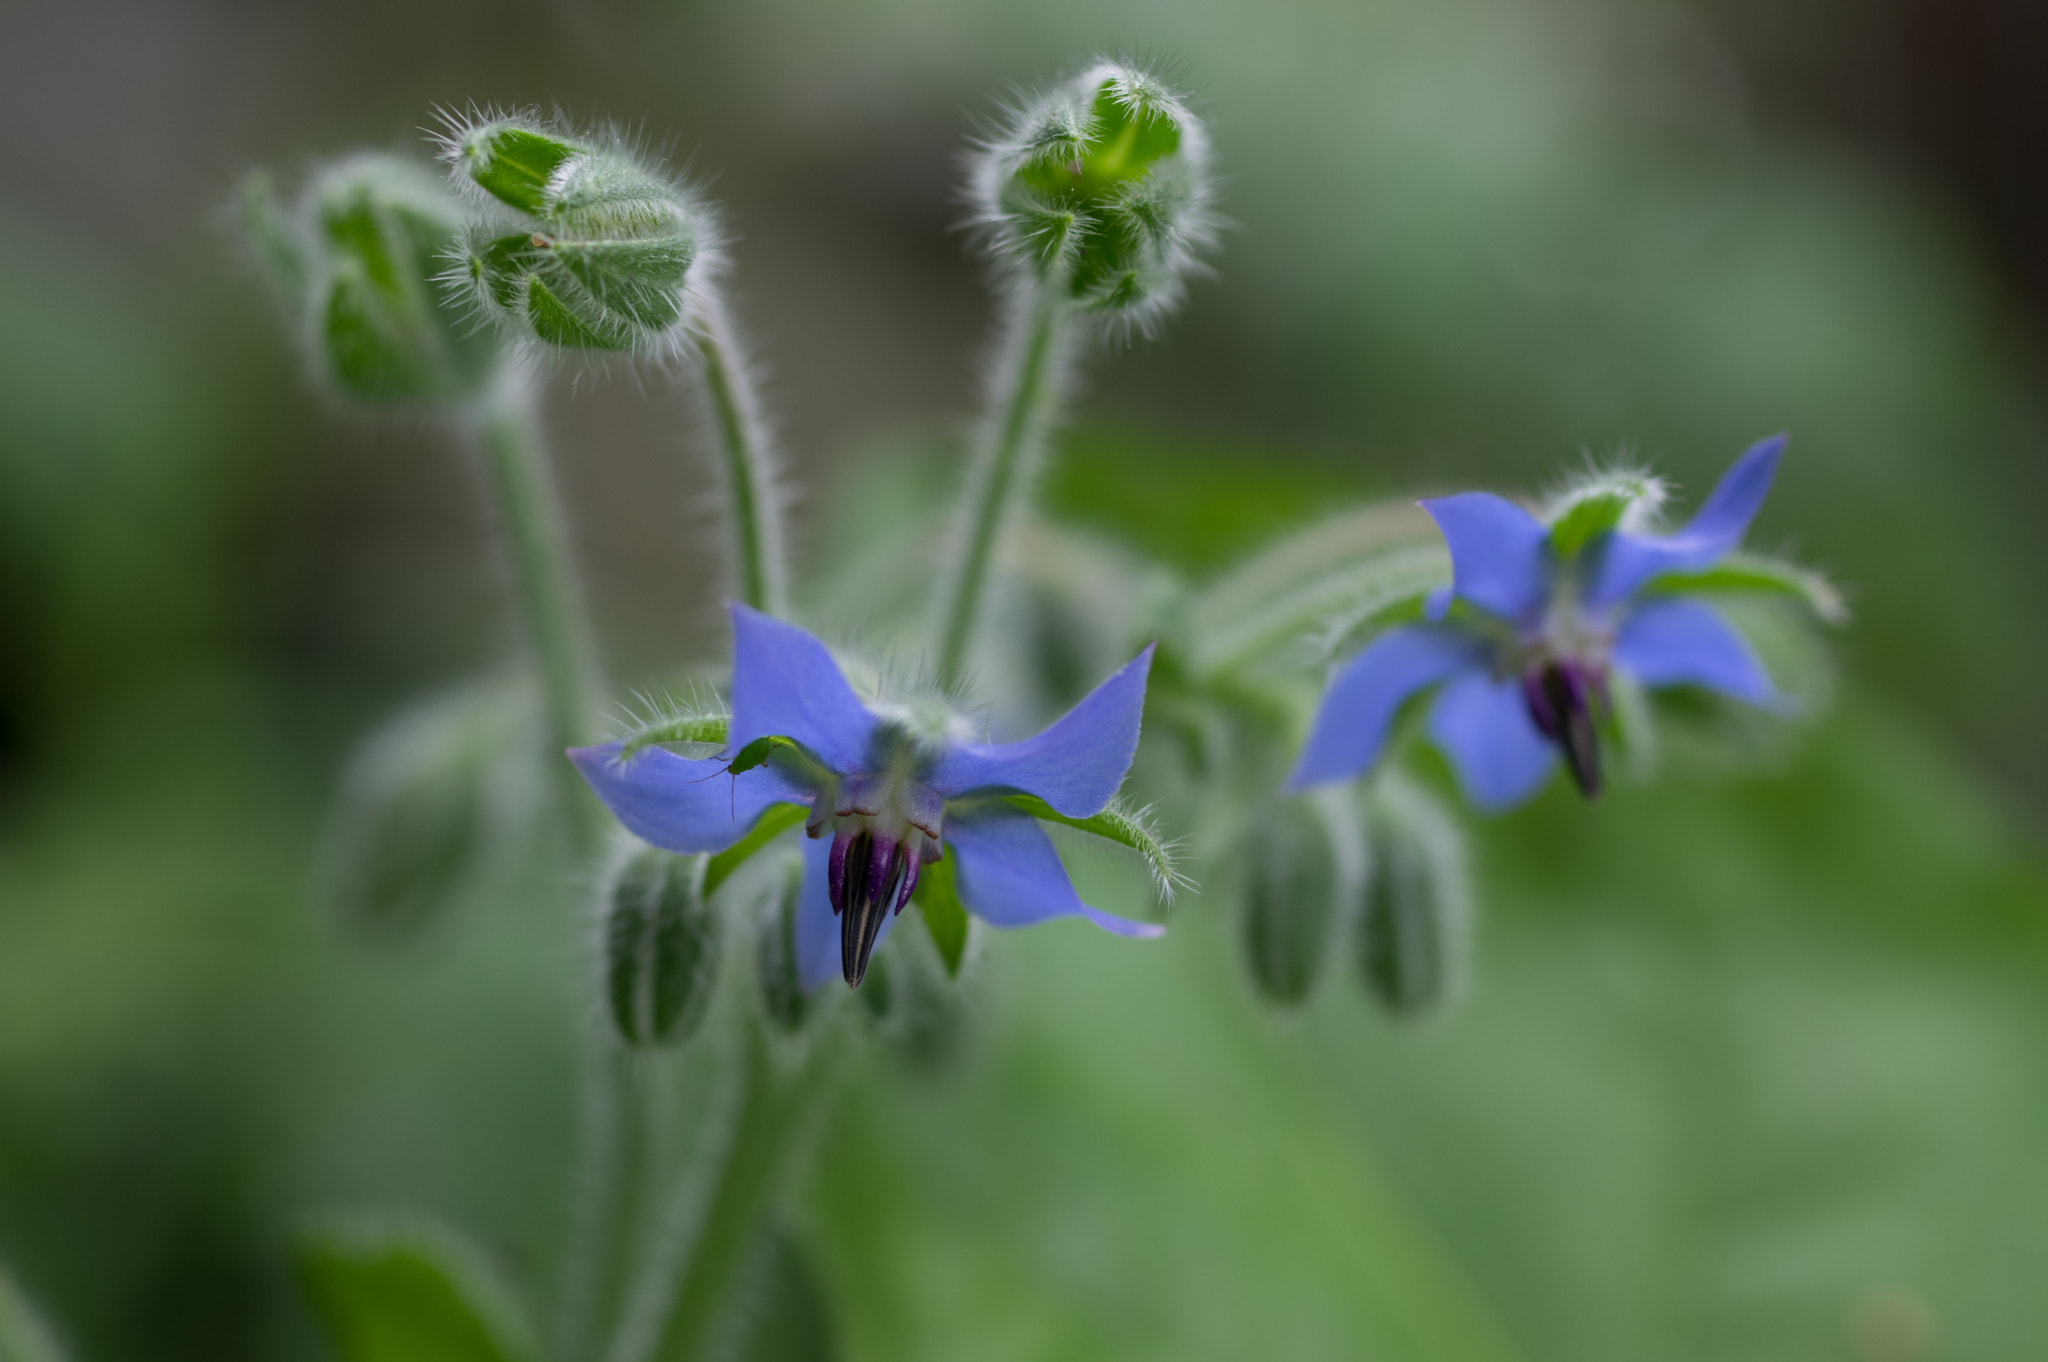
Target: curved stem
742, 439
1023, 401
530, 514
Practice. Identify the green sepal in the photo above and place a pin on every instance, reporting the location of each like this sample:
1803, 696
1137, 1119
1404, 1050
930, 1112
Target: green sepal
662, 946
409, 1291
707, 730
555, 323
775, 820
514, 164
1598, 506
1126, 827
1745, 572
25, 1335
945, 917
640, 279
1124, 138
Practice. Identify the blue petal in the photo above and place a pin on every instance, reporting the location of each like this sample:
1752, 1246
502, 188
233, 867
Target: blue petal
1682, 642
1500, 554
1076, 765
818, 956
1009, 875
785, 683
1351, 726
1484, 726
679, 804
1629, 560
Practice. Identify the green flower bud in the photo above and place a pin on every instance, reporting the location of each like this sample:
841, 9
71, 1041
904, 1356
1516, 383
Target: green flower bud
357, 263
1415, 935
661, 947
596, 251
420, 803
1301, 877
782, 996
1102, 189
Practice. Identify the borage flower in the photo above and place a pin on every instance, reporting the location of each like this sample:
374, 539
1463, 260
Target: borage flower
1537, 620
888, 790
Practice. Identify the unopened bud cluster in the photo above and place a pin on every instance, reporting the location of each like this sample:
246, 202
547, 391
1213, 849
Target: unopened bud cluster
1393, 864
1100, 189
355, 260
585, 247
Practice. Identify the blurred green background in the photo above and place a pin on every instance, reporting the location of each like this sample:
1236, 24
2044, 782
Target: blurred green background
1753, 1068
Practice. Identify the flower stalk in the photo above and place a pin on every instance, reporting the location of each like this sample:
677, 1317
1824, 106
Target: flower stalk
745, 460
1025, 401
536, 533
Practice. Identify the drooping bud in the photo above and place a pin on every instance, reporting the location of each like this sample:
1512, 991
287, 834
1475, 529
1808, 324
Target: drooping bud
588, 249
357, 263
662, 947
418, 804
1101, 188
1415, 932
1304, 858
782, 995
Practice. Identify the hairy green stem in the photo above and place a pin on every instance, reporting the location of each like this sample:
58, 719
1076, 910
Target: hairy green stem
737, 1180
742, 439
530, 514
536, 532
1024, 400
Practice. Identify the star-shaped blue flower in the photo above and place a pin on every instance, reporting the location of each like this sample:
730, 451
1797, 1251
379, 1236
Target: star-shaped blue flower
889, 791
1523, 641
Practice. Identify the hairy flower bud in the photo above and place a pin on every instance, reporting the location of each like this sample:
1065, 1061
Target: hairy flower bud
356, 262
1101, 188
1414, 936
782, 994
661, 947
419, 804
1303, 873
586, 249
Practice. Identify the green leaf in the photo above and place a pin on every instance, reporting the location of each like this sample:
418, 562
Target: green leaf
25, 1336
945, 917
407, 1290
1126, 827
1745, 572
775, 820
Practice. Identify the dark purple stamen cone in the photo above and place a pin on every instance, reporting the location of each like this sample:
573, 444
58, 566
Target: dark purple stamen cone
1558, 700
864, 891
